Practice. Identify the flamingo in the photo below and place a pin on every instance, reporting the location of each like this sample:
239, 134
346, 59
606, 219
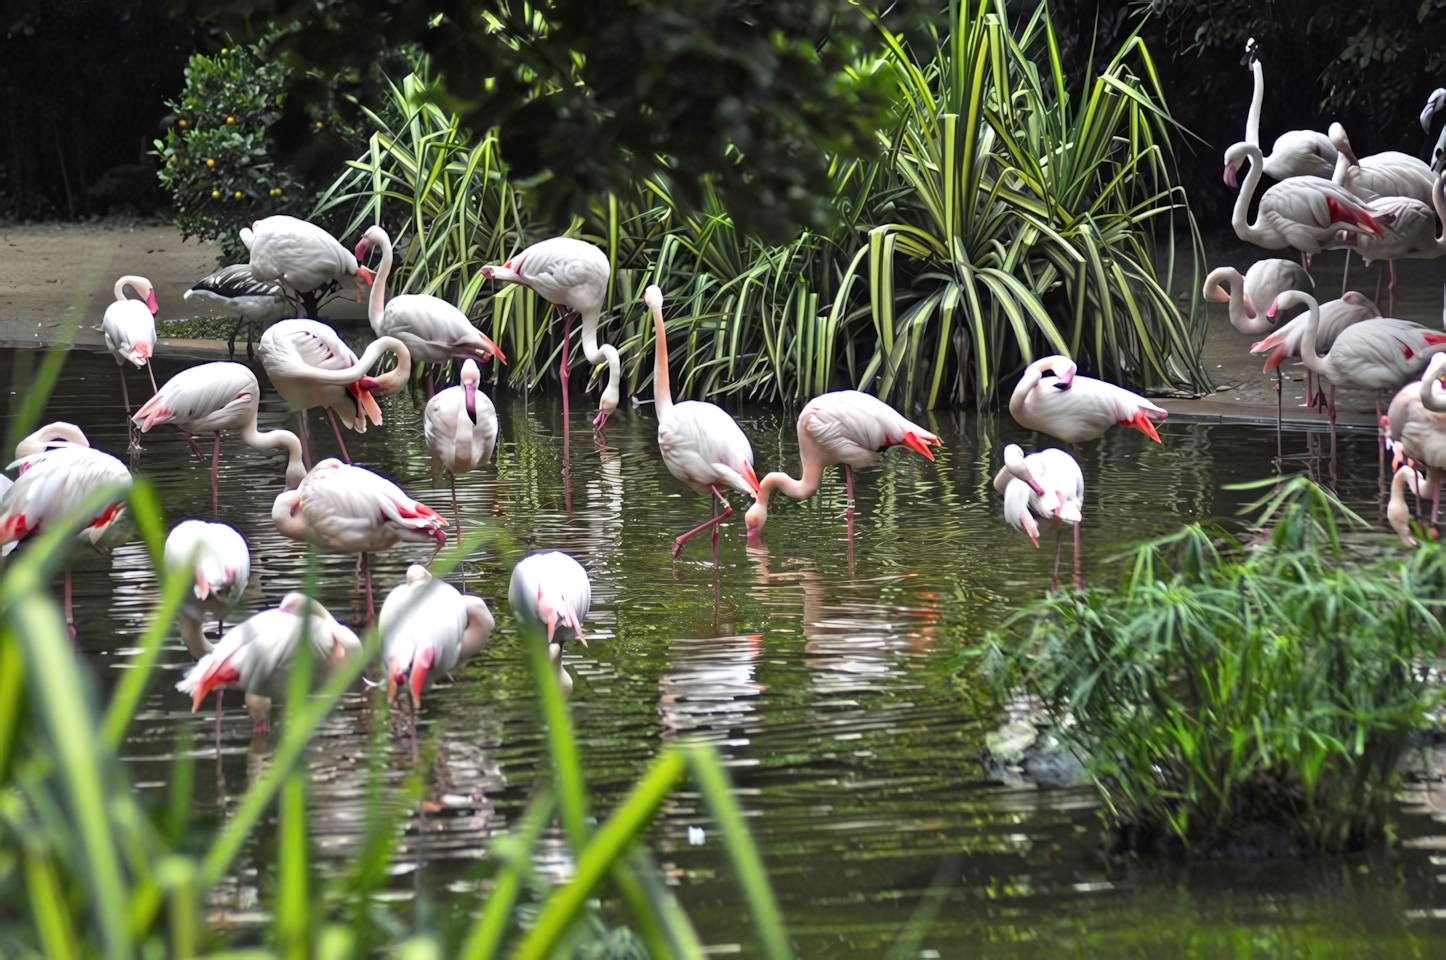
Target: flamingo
1043, 492
218, 560
1398, 514
461, 429
1380, 175
59, 471
550, 591
1433, 106
428, 627
701, 444
311, 366
1301, 212
301, 256
256, 654
1296, 153
1408, 229
236, 291
433, 330
1335, 316
217, 396
1250, 295
574, 275
1416, 423
1376, 354
350, 509
130, 334
1074, 408
843, 427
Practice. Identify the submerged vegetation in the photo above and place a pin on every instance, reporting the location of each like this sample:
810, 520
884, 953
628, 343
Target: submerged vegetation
1234, 697
1006, 215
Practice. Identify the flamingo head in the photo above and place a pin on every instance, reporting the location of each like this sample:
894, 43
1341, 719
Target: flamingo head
557, 612
490, 349
1232, 176
511, 270
411, 673
1066, 509
471, 376
1063, 369
755, 518
151, 304
1014, 462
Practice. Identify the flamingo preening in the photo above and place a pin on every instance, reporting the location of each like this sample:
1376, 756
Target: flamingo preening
1043, 493
1249, 296
1050, 398
130, 335
218, 560
299, 255
550, 591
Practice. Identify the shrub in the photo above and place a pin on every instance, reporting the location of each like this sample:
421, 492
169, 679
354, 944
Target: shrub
1235, 697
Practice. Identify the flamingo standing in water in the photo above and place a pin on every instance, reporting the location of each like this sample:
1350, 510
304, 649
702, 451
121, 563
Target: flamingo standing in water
572, 274
1043, 492
1408, 230
1296, 153
311, 366
551, 592
1074, 408
130, 335
1377, 354
59, 471
299, 255
218, 559
217, 396
256, 655
1302, 212
461, 429
428, 627
1251, 295
843, 427
433, 330
701, 444
353, 510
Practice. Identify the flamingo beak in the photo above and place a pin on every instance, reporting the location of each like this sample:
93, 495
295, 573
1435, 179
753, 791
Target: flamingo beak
365, 275
469, 390
1142, 423
1230, 176
420, 667
912, 441
491, 347
487, 272
361, 248
151, 304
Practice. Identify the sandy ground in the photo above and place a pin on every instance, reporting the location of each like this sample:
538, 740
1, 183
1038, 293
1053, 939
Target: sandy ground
52, 271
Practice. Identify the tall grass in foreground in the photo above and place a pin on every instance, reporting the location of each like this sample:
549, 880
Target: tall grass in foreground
1229, 695
87, 868
1006, 216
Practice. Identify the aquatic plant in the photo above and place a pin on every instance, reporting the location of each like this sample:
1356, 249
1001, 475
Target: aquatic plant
1240, 696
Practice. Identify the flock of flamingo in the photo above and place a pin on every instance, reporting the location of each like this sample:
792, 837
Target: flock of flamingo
428, 626
1382, 207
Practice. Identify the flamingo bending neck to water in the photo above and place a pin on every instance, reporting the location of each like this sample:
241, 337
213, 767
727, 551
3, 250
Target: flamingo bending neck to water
1043, 492
130, 335
551, 592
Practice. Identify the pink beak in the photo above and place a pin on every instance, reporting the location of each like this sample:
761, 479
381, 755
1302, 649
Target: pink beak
1230, 176
1066, 378
487, 272
361, 248
490, 346
469, 391
151, 302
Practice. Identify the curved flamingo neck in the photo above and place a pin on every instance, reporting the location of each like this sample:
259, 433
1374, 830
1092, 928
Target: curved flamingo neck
596, 353
376, 306
1236, 295
1432, 398
1238, 217
1313, 360
1438, 201
1032, 375
271, 439
1257, 97
662, 392
140, 285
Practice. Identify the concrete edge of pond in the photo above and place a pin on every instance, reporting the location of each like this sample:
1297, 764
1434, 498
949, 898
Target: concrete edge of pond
1206, 410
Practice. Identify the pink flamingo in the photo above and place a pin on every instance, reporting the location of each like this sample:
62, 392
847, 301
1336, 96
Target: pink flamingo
311, 366
256, 655
843, 427
428, 627
1381, 175
461, 429
1415, 422
1296, 153
219, 563
434, 330
214, 397
58, 472
1398, 514
1249, 296
1043, 491
1284, 343
299, 255
1075, 408
130, 335
550, 591
350, 509
701, 444
572, 274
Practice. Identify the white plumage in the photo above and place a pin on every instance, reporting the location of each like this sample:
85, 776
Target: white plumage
1043, 493
1304, 213
1251, 295
1296, 153
219, 561
428, 628
299, 255
1049, 398
460, 425
1381, 175
551, 592
1335, 316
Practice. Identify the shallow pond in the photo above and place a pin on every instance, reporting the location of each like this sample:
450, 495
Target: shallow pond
823, 674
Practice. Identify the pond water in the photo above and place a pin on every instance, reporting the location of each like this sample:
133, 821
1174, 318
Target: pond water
824, 676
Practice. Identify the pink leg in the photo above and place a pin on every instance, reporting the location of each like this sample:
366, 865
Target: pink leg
562, 368
305, 440
717, 519
152, 373
1346, 273
336, 429
195, 450
1331, 412
216, 475
219, 691
849, 482
367, 575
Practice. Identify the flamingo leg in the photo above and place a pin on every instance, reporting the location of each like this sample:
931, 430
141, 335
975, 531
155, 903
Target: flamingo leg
717, 519
1435, 500
1331, 413
1391, 290
562, 368
416, 756
1346, 273
216, 475
367, 575
195, 450
219, 691
849, 513
1278, 414
305, 439
331, 417
155, 391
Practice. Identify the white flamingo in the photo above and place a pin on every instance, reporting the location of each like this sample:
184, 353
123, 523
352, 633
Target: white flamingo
1398, 513
1416, 424
460, 424
1335, 316
1043, 492
434, 330
59, 471
551, 592
214, 397
1304, 213
843, 427
130, 333
311, 366
701, 444
1051, 399
1296, 153
299, 255
572, 274
428, 628
256, 655
1251, 295
219, 561
350, 509
1380, 175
